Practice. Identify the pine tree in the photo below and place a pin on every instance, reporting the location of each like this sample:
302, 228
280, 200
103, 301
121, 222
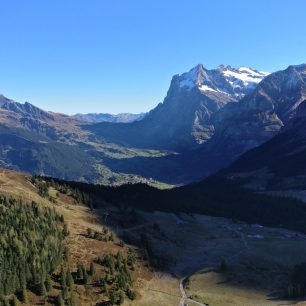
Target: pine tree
120, 298
69, 279
113, 297
92, 269
80, 274
42, 289
85, 277
89, 233
65, 231
59, 300
130, 294
15, 301
72, 300
24, 296
4, 301
223, 264
63, 277
65, 292
48, 283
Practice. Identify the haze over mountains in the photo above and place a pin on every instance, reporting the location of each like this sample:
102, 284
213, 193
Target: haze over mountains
104, 117
207, 120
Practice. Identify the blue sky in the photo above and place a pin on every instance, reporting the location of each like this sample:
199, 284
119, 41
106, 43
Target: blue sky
119, 56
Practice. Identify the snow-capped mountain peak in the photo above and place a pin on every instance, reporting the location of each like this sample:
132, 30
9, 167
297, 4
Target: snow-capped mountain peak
224, 79
194, 77
243, 76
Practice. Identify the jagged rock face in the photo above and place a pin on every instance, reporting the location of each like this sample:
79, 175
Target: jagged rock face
277, 164
184, 119
224, 79
26, 110
281, 93
194, 97
260, 115
33, 119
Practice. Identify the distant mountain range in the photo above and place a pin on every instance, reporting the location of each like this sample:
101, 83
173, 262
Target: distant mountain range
104, 117
185, 118
208, 119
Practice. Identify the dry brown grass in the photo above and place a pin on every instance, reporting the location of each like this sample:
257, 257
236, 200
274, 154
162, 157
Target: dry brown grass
152, 288
199, 242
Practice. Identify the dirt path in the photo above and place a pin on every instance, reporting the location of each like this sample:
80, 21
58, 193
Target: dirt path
184, 300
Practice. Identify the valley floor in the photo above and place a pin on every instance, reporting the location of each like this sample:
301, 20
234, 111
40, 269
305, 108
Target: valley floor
258, 259
223, 262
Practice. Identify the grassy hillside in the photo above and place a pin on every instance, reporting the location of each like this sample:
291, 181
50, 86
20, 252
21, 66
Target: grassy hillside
278, 164
114, 251
215, 196
93, 265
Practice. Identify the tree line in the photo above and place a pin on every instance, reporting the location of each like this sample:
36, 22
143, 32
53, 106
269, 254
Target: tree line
31, 246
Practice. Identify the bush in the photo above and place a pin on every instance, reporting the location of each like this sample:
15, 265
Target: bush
297, 285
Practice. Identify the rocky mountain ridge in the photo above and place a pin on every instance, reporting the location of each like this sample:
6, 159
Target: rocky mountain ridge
208, 119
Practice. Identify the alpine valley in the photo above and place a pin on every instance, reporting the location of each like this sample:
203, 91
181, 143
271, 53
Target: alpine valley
200, 201
208, 119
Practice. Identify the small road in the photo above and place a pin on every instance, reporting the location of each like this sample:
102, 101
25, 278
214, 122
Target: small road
242, 238
185, 299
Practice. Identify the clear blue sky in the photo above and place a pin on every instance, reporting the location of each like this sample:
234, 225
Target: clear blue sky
119, 56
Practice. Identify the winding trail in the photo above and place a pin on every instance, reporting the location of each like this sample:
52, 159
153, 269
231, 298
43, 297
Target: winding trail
185, 299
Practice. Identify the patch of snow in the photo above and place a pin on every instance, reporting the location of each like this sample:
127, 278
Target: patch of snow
187, 83
206, 88
253, 72
256, 226
188, 78
246, 78
255, 236
206, 80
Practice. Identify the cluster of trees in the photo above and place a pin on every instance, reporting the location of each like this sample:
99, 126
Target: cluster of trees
118, 281
31, 246
84, 275
66, 296
105, 235
4, 301
157, 259
43, 185
215, 196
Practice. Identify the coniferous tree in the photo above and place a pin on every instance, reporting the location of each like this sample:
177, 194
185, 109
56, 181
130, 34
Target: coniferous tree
120, 298
65, 293
59, 300
63, 277
65, 231
92, 269
24, 296
130, 294
15, 301
42, 289
72, 300
80, 274
85, 277
69, 279
48, 283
